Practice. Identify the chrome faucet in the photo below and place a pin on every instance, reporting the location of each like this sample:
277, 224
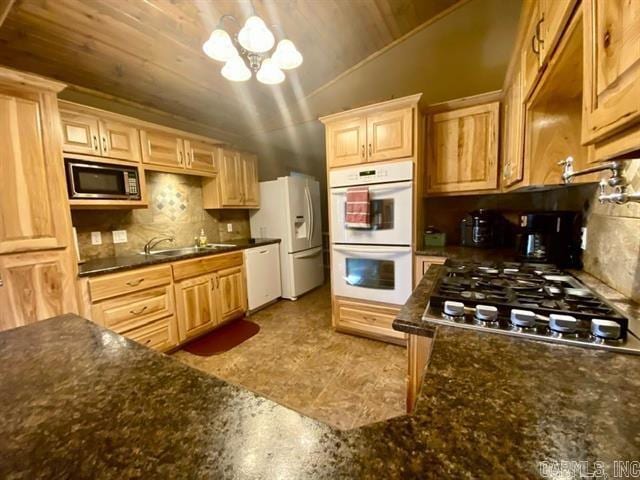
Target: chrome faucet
155, 241
617, 181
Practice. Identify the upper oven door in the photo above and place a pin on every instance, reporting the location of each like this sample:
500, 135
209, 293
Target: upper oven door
91, 180
375, 273
391, 213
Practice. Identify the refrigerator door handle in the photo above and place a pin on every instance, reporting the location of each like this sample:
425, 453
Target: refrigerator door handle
314, 253
313, 216
307, 197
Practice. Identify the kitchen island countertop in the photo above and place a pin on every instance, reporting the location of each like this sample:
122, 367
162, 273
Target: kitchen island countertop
79, 400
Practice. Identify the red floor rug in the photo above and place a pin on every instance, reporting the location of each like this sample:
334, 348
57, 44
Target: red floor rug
223, 339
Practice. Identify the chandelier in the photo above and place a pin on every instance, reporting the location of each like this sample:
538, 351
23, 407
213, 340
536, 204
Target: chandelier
248, 52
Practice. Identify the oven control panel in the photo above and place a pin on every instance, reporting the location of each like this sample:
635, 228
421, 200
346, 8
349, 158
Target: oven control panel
369, 174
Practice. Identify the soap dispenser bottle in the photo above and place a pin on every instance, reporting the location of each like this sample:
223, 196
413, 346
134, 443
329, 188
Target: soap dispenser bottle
202, 240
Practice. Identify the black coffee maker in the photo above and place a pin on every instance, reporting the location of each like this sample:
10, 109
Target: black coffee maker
550, 237
483, 228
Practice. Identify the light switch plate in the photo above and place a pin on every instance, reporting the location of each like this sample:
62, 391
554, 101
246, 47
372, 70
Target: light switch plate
229, 227
119, 236
583, 238
96, 238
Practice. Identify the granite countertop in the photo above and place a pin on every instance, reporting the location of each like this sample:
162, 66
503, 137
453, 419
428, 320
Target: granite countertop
81, 401
101, 266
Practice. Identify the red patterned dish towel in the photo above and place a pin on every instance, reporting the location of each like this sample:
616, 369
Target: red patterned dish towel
358, 213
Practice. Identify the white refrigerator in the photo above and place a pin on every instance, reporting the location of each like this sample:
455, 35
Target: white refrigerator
290, 210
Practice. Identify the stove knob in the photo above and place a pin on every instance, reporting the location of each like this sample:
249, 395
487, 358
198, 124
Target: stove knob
486, 313
607, 329
562, 323
454, 309
523, 318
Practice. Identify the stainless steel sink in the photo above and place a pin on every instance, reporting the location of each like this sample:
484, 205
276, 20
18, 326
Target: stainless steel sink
175, 252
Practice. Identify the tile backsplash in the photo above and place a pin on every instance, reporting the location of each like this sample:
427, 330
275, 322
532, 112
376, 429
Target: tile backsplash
613, 240
175, 208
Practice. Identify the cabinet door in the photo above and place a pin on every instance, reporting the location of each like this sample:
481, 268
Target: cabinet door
195, 306
35, 286
555, 15
162, 149
80, 133
201, 156
231, 179
33, 206
463, 149
389, 135
422, 264
611, 93
231, 293
513, 131
530, 54
346, 142
250, 185
119, 140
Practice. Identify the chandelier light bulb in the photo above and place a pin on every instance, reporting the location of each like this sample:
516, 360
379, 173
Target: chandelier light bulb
287, 55
219, 46
236, 70
269, 73
255, 36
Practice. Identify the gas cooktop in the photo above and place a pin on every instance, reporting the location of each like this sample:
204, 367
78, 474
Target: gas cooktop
528, 299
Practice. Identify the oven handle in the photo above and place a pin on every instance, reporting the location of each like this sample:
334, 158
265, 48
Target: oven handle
365, 249
377, 188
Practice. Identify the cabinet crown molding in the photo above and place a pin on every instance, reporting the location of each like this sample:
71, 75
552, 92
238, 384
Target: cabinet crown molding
29, 80
408, 101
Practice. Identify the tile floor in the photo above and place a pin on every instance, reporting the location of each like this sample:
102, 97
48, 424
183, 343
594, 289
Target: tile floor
298, 361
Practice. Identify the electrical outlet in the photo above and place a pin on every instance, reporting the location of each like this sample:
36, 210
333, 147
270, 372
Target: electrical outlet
96, 238
119, 236
583, 238
229, 227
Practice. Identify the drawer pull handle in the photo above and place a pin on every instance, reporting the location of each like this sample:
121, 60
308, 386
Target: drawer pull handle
135, 283
142, 310
371, 319
147, 341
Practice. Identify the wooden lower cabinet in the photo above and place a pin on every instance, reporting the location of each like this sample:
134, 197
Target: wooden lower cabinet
369, 319
418, 353
196, 306
160, 334
35, 286
231, 293
422, 264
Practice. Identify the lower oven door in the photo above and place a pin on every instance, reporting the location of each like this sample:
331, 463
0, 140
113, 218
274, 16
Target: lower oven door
378, 273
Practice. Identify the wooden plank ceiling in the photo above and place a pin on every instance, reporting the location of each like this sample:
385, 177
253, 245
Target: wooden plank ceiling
149, 51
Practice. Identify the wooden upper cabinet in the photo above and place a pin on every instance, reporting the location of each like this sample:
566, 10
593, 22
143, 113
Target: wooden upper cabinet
231, 293
162, 149
513, 131
231, 178
555, 15
196, 308
389, 135
530, 53
119, 140
250, 184
33, 210
346, 142
611, 94
80, 133
462, 150
201, 156
90, 134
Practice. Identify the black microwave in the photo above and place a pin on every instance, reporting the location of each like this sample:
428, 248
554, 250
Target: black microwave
101, 181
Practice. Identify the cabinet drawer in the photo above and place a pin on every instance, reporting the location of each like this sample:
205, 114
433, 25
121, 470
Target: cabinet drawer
124, 313
109, 286
159, 335
204, 265
369, 319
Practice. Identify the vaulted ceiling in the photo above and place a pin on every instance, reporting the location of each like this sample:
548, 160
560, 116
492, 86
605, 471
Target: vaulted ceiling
149, 51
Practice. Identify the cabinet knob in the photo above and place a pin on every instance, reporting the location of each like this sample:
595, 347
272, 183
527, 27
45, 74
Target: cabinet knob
363, 150
1, 281
96, 147
369, 149
104, 144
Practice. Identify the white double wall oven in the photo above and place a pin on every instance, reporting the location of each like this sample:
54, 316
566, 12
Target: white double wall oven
374, 263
